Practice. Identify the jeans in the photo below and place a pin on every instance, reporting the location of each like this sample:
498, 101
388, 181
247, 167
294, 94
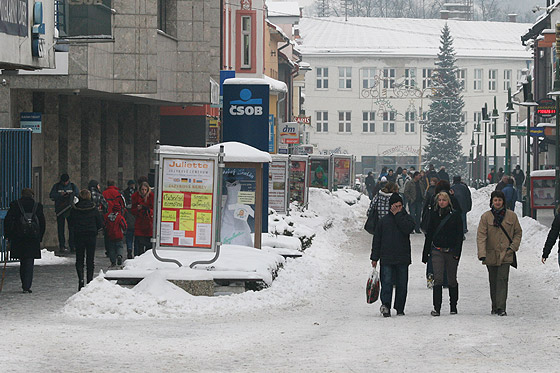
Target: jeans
60, 220
394, 274
519, 192
442, 263
464, 215
498, 277
26, 272
114, 250
131, 246
142, 244
416, 213
85, 246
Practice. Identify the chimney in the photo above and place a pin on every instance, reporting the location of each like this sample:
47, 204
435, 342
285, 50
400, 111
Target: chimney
444, 14
512, 18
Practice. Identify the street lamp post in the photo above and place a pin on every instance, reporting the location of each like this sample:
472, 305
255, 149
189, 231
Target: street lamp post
495, 115
556, 94
509, 110
471, 174
485, 121
477, 131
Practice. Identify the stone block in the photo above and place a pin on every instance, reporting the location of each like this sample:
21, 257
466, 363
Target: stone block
125, 6
125, 40
124, 66
184, 10
185, 61
196, 287
198, 10
198, 31
126, 21
124, 86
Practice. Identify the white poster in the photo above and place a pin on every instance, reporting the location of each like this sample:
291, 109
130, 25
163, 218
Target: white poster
277, 182
203, 234
180, 175
166, 233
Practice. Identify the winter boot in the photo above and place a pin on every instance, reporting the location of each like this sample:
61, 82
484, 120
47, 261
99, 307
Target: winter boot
80, 280
453, 298
129, 255
89, 275
437, 290
119, 260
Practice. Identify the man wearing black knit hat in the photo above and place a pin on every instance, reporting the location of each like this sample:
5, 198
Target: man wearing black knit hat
391, 246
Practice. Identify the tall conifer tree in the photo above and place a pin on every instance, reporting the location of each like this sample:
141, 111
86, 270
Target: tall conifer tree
445, 124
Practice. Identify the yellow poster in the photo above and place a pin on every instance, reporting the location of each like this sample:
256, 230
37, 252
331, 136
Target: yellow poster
168, 215
201, 202
186, 220
204, 218
173, 200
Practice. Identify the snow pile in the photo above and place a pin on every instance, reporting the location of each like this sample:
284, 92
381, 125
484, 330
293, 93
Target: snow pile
47, 258
328, 217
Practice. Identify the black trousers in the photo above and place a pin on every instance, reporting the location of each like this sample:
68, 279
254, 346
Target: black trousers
60, 221
85, 246
26, 272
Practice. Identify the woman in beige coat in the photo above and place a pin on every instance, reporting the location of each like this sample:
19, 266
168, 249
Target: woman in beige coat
496, 250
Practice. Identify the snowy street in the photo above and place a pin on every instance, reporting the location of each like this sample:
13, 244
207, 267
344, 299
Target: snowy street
331, 329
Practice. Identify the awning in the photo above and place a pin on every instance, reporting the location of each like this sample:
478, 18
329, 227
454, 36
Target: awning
276, 86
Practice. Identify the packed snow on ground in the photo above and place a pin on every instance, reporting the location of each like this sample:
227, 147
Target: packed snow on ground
47, 258
329, 217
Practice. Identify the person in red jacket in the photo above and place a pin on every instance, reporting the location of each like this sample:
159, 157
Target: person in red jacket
115, 225
143, 210
113, 196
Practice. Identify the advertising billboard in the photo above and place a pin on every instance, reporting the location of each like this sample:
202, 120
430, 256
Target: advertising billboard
298, 177
278, 184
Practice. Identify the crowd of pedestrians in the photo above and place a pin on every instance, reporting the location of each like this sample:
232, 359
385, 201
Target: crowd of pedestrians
126, 216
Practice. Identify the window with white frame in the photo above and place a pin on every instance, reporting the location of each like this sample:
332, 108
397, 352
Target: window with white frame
492, 80
410, 77
344, 121
427, 78
368, 121
322, 77
507, 79
345, 78
322, 121
389, 121
388, 78
477, 81
368, 77
410, 122
246, 42
462, 78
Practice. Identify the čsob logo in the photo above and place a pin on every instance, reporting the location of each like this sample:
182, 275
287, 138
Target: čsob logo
247, 105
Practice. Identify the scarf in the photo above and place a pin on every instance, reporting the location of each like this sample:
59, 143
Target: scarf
498, 215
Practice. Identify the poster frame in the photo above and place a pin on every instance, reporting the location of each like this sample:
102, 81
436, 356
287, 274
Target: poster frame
329, 160
283, 158
351, 177
158, 200
301, 158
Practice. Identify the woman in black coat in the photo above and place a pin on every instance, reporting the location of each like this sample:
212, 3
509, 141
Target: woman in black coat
551, 239
85, 220
24, 247
443, 244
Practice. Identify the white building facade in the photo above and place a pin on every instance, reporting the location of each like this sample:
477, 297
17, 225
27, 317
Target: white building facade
371, 84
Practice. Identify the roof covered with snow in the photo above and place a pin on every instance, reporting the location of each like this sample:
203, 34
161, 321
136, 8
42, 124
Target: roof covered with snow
282, 8
411, 37
234, 152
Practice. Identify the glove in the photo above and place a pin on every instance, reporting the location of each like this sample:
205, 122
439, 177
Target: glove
482, 259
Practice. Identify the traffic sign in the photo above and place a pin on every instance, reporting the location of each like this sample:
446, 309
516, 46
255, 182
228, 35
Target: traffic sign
498, 137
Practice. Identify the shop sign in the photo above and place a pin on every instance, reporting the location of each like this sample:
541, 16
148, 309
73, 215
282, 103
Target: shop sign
546, 108
13, 17
289, 133
32, 121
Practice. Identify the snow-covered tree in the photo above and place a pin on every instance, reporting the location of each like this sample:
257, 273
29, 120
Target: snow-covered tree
445, 123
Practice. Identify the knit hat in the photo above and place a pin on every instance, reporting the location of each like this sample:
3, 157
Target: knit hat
395, 198
131, 182
64, 178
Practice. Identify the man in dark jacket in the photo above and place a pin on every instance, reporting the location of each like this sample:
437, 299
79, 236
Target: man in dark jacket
24, 246
391, 246
370, 184
463, 194
85, 220
431, 172
63, 193
414, 193
519, 177
442, 174
503, 182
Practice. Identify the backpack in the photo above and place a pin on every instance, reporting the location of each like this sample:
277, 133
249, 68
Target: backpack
426, 213
29, 223
114, 226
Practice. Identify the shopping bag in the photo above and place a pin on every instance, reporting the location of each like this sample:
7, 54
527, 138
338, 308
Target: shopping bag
372, 287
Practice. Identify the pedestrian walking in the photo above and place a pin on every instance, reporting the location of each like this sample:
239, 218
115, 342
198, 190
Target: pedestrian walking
63, 193
431, 172
113, 196
490, 177
519, 177
402, 179
370, 184
380, 202
85, 221
414, 194
97, 197
442, 174
463, 195
130, 218
115, 226
504, 180
383, 173
498, 238
500, 174
443, 244
391, 177
143, 210
511, 195
391, 247
24, 228
551, 239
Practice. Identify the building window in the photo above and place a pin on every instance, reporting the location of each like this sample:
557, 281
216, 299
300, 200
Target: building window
344, 121
389, 121
322, 121
246, 42
410, 77
462, 78
492, 80
507, 79
166, 10
477, 81
368, 77
368, 121
322, 77
477, 117
388, 78
427, 78
410, 122
345, 78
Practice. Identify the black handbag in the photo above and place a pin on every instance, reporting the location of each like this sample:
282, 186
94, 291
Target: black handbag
371, 221
514, 263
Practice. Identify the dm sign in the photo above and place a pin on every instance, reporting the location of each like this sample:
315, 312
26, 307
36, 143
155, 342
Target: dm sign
289, 133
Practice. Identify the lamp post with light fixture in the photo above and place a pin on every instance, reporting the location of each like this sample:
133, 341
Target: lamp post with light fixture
508, 112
